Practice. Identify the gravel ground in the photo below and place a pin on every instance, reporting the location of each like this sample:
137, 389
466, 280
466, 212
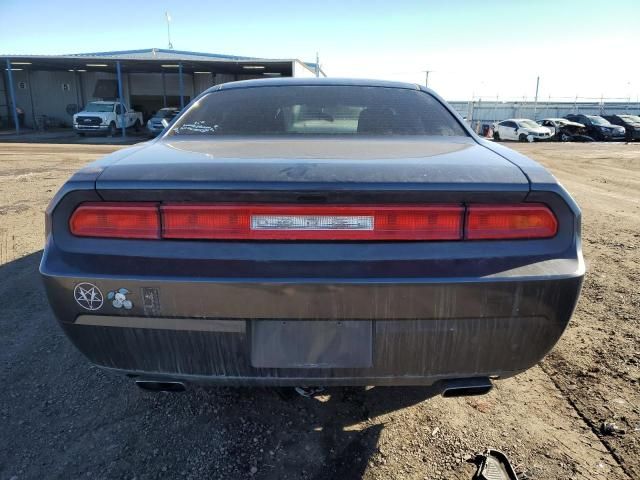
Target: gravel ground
62, 418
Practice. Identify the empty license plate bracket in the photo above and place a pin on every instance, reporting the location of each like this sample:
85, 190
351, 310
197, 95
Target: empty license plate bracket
311, 343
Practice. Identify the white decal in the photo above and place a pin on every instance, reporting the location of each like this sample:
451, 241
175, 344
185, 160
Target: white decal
119, 299
88, 296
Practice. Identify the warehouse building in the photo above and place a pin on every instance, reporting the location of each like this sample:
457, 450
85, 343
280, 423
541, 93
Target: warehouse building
44, 91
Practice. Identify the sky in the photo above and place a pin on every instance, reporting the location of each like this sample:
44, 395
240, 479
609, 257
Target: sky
480, 49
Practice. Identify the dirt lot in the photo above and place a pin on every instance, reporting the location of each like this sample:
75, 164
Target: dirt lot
62, 418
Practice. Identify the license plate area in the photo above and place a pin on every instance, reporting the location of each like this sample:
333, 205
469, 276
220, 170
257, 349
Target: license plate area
311, 343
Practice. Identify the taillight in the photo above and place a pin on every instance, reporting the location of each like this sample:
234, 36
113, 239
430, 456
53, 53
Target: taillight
313, 222
494, 222
116, 220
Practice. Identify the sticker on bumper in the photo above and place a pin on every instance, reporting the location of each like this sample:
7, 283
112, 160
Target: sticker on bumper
119, 299
151, 301
88, 296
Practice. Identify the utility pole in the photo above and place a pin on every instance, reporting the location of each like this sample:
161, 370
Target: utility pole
426, 77
168, 17
317, 64
535, 102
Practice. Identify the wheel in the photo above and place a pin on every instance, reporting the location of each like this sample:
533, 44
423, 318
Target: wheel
136, 126
564, 137
522, 137
496, 136
112, 129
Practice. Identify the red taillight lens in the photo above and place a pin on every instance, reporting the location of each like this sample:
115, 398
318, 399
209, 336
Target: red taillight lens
116, 220
493, 222
312, 222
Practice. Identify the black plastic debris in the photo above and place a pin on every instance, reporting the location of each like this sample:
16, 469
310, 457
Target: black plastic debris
308, 391
494, 465
610, 428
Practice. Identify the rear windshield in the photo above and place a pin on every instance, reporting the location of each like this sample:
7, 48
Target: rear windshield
596, 120
317, 110
99, 107
528, 124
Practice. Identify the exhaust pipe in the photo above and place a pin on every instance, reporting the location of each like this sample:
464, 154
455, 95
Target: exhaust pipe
463, 387
158, 386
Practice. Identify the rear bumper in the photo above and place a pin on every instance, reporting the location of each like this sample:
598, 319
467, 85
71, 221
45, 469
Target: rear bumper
421, 330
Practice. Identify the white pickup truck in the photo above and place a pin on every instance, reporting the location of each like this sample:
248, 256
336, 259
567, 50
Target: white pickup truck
105, 117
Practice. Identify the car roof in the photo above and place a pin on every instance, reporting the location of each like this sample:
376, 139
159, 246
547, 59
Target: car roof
517, 120
103, 101
295, 81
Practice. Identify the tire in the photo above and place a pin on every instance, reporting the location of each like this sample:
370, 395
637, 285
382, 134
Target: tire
496, 136
112, 129
565, 138
136, 126
522, 137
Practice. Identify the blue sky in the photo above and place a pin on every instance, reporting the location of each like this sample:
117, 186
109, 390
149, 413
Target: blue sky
485, 49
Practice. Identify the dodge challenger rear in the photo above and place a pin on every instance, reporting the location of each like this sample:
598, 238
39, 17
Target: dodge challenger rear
303, 232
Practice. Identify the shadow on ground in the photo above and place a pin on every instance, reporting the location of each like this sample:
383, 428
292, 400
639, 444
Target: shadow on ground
68, 136
63, 418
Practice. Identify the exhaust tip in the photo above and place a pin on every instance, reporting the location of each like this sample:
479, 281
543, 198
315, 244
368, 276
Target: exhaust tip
466, 387
156, 386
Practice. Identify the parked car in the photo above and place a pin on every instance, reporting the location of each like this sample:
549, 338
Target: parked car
563, 130
160, 119
630, 123
314, 231
521, 129
597, 127
105, 117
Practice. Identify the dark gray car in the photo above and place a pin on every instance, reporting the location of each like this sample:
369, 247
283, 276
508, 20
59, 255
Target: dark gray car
160, 120
314, 232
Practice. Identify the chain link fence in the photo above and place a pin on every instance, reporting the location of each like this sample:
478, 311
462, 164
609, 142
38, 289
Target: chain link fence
481, 111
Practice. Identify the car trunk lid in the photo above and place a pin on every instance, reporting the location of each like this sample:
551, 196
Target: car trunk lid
312, 171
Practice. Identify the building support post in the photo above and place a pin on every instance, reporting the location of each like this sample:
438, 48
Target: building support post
120, 99
12, 94
181, 83
34, 122
164, 92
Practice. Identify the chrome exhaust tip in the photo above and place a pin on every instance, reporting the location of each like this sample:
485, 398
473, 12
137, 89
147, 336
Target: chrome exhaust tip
161, 386
465, 387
